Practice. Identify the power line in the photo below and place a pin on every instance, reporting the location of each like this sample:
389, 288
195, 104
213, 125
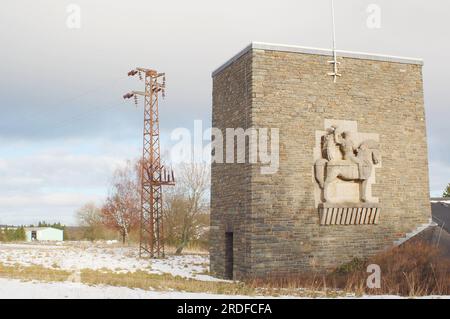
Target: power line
77, 119
57, 104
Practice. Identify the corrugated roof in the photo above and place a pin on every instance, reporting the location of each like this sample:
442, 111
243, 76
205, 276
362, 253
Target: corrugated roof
39, 228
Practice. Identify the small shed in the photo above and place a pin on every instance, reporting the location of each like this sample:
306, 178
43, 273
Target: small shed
43, 234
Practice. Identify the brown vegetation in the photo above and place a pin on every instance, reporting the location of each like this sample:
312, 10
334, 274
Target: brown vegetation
185, 209
413, 269
34, 272
121, 210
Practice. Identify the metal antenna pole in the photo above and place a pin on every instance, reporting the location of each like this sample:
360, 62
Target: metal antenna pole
153, 174
335, 62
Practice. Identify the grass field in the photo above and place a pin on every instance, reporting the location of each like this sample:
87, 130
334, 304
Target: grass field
408, 271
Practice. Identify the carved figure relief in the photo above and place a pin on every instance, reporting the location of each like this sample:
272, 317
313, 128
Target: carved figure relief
354, 161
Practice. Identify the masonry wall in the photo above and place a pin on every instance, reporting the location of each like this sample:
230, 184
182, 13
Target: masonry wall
277, 227
230, 183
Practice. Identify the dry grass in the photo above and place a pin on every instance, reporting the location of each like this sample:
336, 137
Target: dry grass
413, 269
189, 249
157, 282
164, 282
168, 282
33, 273
138, 279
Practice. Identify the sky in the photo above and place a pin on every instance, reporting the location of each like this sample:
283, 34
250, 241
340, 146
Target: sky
64, 127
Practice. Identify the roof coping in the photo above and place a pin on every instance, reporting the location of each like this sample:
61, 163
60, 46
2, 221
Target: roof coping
317, 51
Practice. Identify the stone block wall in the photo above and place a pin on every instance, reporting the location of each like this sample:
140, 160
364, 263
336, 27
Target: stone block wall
274, 217
230, 183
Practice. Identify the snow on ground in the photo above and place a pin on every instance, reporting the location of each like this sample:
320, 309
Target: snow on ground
16, 289
74, 256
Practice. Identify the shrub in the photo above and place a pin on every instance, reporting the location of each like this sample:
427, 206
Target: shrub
12, 234
412, 269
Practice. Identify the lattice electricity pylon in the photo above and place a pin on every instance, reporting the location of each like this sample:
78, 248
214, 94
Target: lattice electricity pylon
153, 174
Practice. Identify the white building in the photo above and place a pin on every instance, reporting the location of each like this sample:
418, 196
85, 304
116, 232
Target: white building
43, 234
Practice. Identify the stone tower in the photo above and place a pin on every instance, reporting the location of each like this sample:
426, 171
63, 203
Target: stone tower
352, 177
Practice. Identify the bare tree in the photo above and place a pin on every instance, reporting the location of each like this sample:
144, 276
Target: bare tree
121, 210
90, 218
185, 204
89, 215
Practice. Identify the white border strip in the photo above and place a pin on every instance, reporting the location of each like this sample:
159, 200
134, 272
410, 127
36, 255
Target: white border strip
414, 233
309, 50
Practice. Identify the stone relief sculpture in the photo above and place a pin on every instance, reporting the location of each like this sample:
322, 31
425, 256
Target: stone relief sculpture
355, 162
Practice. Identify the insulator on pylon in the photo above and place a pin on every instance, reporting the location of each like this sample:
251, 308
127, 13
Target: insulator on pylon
128, 95
132, 73
136, 100
140, 75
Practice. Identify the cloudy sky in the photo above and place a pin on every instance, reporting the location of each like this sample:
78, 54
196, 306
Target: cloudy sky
64, 127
